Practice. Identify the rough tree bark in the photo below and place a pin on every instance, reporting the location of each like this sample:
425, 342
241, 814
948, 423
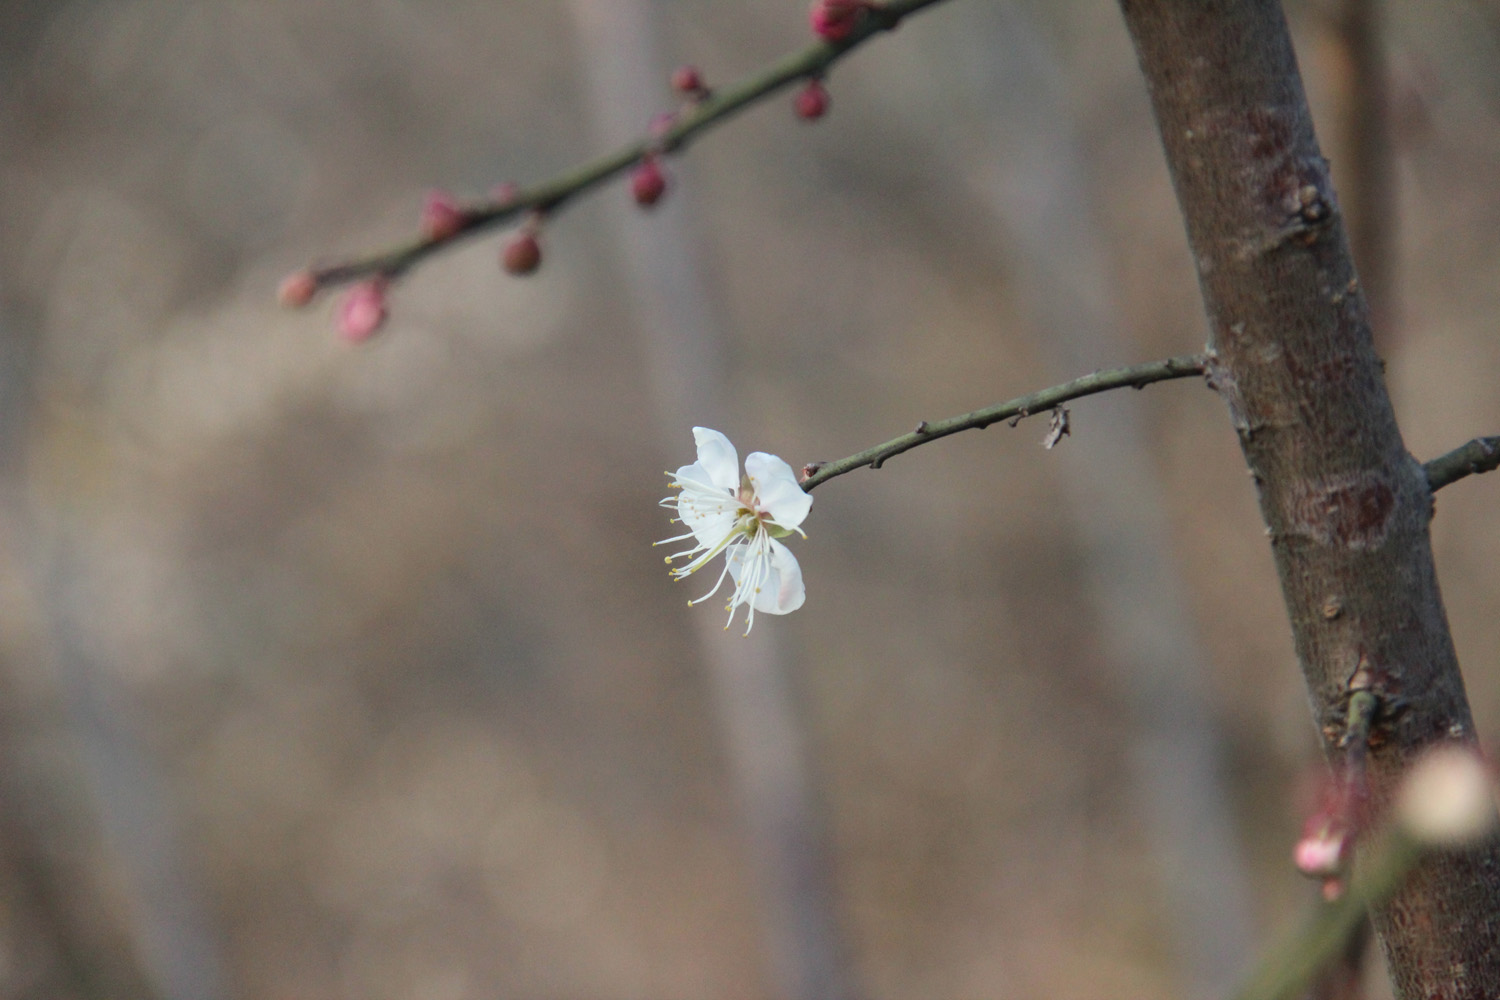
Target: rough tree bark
1346, 507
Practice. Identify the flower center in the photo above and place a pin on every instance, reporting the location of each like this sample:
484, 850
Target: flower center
747, 521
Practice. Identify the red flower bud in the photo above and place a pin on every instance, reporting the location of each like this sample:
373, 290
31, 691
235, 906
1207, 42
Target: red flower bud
362, 311
523, 254
812, 101
297, 289
835, 20
648, 183
441, 216
688, 80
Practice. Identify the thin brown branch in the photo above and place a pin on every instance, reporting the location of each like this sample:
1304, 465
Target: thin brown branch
551, 195
1041, 401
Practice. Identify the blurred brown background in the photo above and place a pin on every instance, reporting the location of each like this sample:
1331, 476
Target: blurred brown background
351, 673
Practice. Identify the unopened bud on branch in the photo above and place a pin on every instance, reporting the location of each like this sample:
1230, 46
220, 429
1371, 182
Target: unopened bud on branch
1322, 853
648, 183
523, 254
835, 20
812, 101
297, 289
441, 216
688, 80
362, 311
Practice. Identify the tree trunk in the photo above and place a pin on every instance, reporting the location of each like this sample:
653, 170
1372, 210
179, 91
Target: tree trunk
1346, 507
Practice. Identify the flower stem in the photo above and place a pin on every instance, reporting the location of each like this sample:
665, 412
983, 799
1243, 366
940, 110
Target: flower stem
1042, 401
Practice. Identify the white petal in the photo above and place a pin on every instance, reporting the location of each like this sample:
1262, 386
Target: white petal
718, 458
777, 489
694, 473
781, 589
698, 482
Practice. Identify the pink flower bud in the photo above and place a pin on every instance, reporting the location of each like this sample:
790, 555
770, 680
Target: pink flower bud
688, 80
835, 20
362, 311
297, 289
1321, 853
1328, 835
812, 101
523, 254
441, 216
648, 183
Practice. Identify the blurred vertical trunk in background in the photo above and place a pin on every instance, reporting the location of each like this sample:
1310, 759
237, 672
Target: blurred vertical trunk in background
66, 933
95, 896
168, 921
104, 902
1367, 172
683, 339
1033, 185
1346, 506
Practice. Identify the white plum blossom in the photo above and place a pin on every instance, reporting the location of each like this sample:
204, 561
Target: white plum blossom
742, 517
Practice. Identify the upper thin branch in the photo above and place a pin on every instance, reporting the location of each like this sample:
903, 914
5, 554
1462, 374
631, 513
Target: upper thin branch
548, 196
1041, 401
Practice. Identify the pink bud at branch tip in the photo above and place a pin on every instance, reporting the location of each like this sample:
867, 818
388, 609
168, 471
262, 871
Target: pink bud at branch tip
522, 255
812, 101
1322, 854
835, 20
441, 216
362, 311
297, 289
1327, 841
648, 183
